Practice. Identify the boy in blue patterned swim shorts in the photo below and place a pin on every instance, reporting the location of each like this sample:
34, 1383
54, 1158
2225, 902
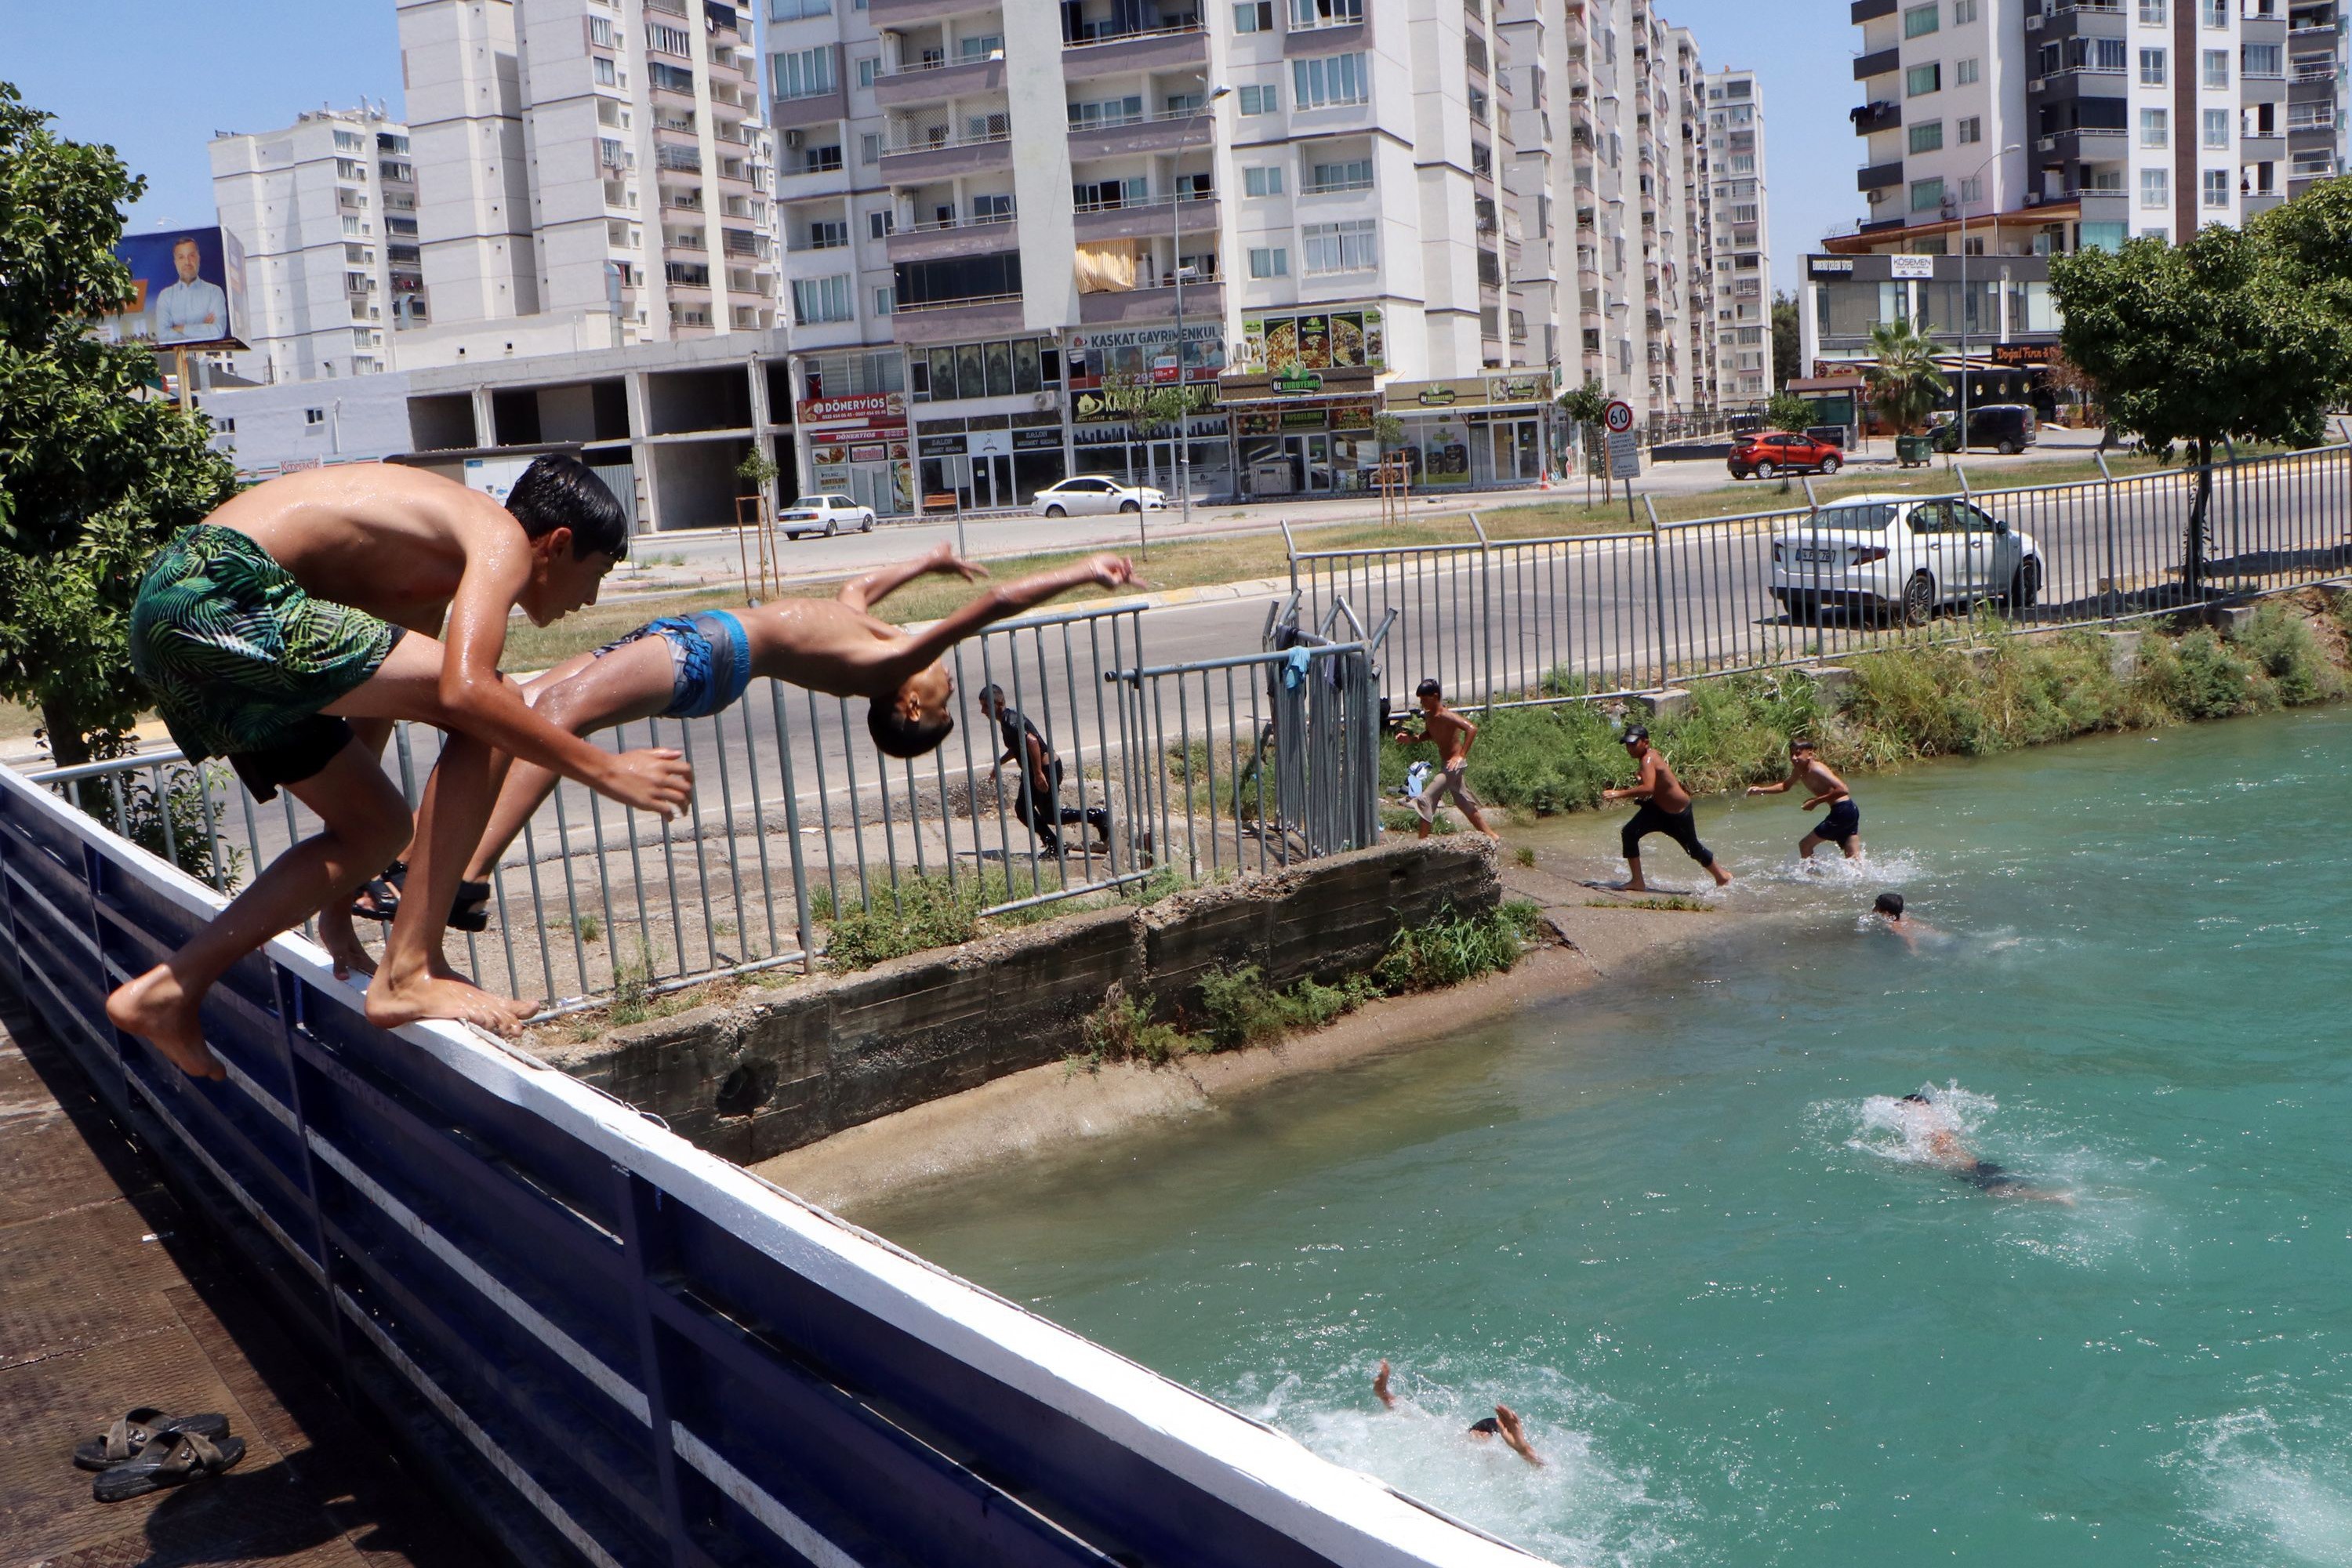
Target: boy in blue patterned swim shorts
1842, 825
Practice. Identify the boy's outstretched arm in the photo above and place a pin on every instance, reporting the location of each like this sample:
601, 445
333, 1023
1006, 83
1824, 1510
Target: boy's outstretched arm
862, 593
918, 651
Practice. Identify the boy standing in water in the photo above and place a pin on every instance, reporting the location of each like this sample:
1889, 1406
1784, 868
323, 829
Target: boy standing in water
1665, 808
1452, 735
1843, 826
301, 614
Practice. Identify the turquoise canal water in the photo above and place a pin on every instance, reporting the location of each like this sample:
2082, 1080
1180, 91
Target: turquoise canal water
1677, 1223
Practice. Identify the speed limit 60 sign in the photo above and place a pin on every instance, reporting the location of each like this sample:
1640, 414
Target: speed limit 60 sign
1619, 415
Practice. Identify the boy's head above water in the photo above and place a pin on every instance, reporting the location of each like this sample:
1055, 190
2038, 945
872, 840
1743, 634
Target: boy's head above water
577, 532
913, 721
1890, 905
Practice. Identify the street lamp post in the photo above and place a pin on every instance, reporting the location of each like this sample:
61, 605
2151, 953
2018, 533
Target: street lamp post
1176, 259
1990, 157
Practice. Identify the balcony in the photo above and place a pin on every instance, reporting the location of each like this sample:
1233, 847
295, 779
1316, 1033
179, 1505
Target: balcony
956, 320
686, 274
942, 239
896, 13
1204, 295
1879, 176
933, 82
1881, 63
1145, 219
1103, 52
1870, 118
1164, 132
1870, 10
943, 150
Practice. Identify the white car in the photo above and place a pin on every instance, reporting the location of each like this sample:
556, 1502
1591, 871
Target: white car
1093, 493
1898, 555
827, 515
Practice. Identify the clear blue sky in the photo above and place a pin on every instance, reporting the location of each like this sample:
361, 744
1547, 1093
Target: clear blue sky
157, 81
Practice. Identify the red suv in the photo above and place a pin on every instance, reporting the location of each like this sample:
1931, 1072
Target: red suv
1767, 453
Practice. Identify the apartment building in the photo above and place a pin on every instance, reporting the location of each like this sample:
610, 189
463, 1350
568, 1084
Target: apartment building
1743, 249
2317, 136
596, 172
326, 209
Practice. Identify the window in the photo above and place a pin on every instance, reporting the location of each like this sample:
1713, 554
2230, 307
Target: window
1968, 130
1965, 72
1267, 182
2216, 187
805, 74
1269, 263
2217, 15
2151, 67
2155, 127
993, 209
1972, 189
1963, 12
1253, 16
881, 225
869, 147
2217, 67
604, 73
314, 416
1304, 14
2151, 13
1354, 174
2154, 190
885, 297
821, 299
1921, 20
1920, 81
2112, 54
1926, 196
1128, 110
1927, 136
1332, 80
1341, 246
2217, 128
1261, 100
828, 236
2259, 60
667, 40
794, 10
821, 160
867, 65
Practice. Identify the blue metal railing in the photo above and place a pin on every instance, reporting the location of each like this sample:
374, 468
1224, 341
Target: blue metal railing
611, 1347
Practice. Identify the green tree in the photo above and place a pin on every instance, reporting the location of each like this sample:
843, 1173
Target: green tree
1903, 378
1786, 411
96, 468
2217, 340
1787, 340
1584, 405
2311, 236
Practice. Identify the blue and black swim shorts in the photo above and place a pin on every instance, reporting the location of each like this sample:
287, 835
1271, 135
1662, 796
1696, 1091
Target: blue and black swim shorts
710, 660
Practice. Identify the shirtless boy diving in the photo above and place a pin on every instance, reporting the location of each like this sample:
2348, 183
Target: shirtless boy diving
1946, 1152
687, 667
1665, 808
289, 630
1452, 735
1504, 1423
1843, 826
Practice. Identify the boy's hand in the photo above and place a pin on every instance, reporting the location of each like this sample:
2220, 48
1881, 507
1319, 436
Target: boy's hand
658, 780
945, 560
1114, 571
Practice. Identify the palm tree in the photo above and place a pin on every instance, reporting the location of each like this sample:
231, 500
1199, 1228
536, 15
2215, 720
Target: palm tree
1905, 382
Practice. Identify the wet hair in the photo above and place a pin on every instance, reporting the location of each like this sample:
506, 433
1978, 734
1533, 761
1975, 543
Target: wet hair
1489, 1428
1917, 1099
1799, 743
1632, 733
895, 735
1428, 687
1888, 904
557, 491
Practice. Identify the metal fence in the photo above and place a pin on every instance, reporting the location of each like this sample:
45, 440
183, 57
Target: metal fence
1164, 774
609, 1348
1532, 620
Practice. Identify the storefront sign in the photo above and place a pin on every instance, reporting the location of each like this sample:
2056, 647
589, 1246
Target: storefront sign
1327, 339
876, 453
853, 433
1518, 389
1297, 383
1831, 266
873, 409
1353, 415
940, 447
1037, 440
1911, 265
2025, 353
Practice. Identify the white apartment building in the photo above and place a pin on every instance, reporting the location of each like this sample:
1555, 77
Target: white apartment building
1743, 249
595, 173
326, 209
2318, 136
1001, 216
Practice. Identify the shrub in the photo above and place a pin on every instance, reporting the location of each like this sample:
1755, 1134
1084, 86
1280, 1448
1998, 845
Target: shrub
1122, 1029
1453, 948
905, 917
1241, 1009
2281, 646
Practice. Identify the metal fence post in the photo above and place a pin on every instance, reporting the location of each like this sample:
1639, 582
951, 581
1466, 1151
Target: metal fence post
1290, 548
1658, 587
1485, 609
2114, 593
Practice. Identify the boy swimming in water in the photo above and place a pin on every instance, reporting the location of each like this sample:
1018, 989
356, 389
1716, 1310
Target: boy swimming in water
1665, 808
1843, 826
289, 630
1889, 908
1504, 1423
1946, 1151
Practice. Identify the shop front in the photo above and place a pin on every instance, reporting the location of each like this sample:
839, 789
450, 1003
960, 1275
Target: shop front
1303, 432
859, 446
1124, 426
1476, 431
989, 461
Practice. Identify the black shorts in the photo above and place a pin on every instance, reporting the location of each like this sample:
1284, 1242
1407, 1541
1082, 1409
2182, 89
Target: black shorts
1842, 823
302, 751
1681, 827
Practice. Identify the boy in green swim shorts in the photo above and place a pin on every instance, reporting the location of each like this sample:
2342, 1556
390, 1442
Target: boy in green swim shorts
290, 630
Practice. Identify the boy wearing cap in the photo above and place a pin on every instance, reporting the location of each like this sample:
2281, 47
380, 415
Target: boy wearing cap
1665, 808
1843, 826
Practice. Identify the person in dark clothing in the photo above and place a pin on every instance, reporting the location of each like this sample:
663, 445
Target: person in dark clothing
1037, 800
1665, 808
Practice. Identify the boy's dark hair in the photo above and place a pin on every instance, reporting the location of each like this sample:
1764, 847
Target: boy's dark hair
1799, 743
557, 491
1490, 1427
990, 693
895, 735
1428, 687
1888, 904
1916, 1097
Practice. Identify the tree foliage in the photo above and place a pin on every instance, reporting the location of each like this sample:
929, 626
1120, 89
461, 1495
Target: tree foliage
2218, 340
1786, 411
95, 471
1586, 404
1903, 379
1787, 340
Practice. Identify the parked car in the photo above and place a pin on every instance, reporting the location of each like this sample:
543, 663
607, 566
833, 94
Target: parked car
1770, 453
1090, 493
827, 515
2007, 427
1897, 555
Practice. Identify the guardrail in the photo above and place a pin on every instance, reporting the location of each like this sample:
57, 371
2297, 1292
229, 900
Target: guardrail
610, 1348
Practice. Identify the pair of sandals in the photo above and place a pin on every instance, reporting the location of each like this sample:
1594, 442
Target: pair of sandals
380, 898
148, 1450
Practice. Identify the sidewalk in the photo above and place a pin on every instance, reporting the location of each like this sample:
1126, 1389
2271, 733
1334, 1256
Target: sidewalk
112, 1296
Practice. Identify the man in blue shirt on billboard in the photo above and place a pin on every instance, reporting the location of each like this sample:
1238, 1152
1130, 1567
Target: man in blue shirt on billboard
192, 310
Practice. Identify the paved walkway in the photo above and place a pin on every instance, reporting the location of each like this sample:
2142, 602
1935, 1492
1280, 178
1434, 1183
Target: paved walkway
111, 1297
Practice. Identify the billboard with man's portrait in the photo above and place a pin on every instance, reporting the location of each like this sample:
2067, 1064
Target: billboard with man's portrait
187, 290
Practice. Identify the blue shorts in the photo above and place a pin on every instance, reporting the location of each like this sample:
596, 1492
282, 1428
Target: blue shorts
710, 660
1842, 823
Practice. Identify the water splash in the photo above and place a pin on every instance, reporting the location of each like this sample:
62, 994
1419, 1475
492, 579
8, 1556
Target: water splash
2271, 1490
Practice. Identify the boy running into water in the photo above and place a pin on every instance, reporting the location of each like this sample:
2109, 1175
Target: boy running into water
287, 630
1665, 808
688, 667
1452, 735
1843, 826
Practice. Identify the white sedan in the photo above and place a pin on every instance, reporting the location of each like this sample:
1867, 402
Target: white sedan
1898, 555
827, 515
1093, 493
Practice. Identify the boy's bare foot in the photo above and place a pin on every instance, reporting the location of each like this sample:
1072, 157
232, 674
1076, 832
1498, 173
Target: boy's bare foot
391, 1005
1722, 876
157, 1009
342, 941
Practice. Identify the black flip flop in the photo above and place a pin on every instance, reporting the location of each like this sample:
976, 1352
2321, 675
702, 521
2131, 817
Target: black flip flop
383, 890
470, 910
171, 1460
137, 1429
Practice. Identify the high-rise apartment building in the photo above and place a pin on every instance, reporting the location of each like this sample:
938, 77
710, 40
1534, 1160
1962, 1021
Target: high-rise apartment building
600, 165
1005, 221
2319, 137
1743, 238
326, 210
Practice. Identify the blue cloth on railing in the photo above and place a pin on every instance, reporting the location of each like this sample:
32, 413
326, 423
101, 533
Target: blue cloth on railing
1293, 669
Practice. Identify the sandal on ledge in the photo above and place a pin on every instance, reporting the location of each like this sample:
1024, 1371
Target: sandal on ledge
137, 1429
174, 1460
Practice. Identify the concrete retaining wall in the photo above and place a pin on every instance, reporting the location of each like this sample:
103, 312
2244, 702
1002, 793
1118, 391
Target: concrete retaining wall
751, 1080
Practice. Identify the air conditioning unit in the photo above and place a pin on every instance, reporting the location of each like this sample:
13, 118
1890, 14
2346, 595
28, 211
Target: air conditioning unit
793, 139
